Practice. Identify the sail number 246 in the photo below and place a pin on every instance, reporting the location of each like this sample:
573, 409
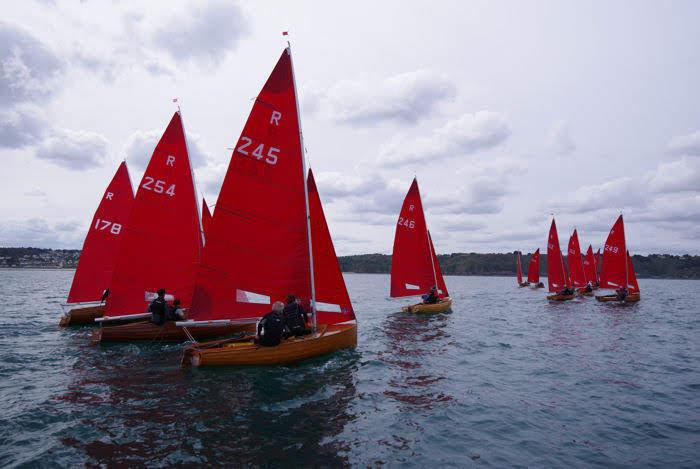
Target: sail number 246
247, 148
407, 223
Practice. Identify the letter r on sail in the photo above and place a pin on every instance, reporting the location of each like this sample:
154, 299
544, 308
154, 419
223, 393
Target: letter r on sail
275, 117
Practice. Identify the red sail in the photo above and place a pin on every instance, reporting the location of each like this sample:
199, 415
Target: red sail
101, 244
578, 277
519, 271
206, 217
589, 265
411, 266
163, 240
632, 285
557, 277
533, 270
597, 266
442, 287
613, 272
257, 244
332, 299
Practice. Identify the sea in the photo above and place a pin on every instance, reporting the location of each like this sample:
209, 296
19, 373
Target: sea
504, 380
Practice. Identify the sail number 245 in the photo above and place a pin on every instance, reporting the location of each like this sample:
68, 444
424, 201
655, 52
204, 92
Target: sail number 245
247, 148
407, 223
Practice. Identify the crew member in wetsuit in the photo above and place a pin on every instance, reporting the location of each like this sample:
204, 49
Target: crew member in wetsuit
431, 297
566, 291
104, 296
158, 308
295, 317
589, 287
176, 313
271, 326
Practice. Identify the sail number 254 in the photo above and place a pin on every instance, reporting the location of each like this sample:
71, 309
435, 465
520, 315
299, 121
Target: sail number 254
407, 223
247, 148
157, 186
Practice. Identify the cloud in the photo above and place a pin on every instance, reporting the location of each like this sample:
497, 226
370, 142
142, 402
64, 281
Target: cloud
28, 68
21, 126
465, 135
371, 194
139, 147
676, 176
71, 149
203, 34
617, 193
35, 192
39, 232
685, 144
560, 141
404, 98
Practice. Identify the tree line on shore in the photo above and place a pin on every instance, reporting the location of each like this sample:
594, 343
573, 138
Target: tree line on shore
651, 266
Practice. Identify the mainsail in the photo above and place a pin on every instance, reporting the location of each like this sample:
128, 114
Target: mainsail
533, 269
162, 240
578, 277
258, 244
413, 270
589, 269
94, 272
518, 269
613, 271
556, 273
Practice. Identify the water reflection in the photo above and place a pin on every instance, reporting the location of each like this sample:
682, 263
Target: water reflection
143, 411
413, 342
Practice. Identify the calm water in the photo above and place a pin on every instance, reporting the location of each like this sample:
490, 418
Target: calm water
505, 380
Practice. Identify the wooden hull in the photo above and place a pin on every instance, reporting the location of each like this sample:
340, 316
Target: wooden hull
244, 352
82, 315
168, 332
560, 297
631, 298
583, 292
440, 307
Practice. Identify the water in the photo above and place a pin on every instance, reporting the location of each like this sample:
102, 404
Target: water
505, 380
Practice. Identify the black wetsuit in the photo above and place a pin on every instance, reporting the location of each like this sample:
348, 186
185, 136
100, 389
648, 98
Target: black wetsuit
159, 310
431, 298
270, 329
295, 318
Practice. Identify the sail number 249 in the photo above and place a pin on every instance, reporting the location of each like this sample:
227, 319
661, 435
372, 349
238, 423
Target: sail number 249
407, 223
247, 148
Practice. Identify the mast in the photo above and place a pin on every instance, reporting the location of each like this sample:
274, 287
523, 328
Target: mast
306, 193
194, 184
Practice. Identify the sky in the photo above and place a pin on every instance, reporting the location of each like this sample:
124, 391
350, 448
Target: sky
506, 112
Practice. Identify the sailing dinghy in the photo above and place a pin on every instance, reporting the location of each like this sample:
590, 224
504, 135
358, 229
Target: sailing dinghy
576, 267
161, 247
589, 267
282, 242
91, 280
519, 272
617, 271
533, 270
557, 278
414, 266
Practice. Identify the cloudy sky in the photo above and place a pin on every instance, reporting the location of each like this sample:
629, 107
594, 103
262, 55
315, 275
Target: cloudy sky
506, 111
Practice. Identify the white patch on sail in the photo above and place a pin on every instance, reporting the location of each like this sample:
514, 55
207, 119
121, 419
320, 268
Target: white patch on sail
243, 296
614, 284
150, 296
328, 307
410, 286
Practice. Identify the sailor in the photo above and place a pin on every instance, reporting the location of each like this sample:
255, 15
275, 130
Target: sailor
158, 308
104, 296
431, 297
621, 293
540, 285
176, 312
566, 291
295, 318
589, 287
271, 326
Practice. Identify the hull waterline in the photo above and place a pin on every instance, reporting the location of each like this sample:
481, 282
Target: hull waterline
80, 316
442, 306
147, 331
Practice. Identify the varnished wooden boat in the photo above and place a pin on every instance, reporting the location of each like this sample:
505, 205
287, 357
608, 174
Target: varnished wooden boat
560, 297
583, 292
234, 352
538, 285
168, 332
439, 307
631, 298
82, 315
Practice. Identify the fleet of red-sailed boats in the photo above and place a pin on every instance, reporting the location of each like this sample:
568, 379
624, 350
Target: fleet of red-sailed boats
267, 238
612, 270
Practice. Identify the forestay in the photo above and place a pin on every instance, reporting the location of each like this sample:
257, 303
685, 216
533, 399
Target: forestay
94, 272
163, 241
